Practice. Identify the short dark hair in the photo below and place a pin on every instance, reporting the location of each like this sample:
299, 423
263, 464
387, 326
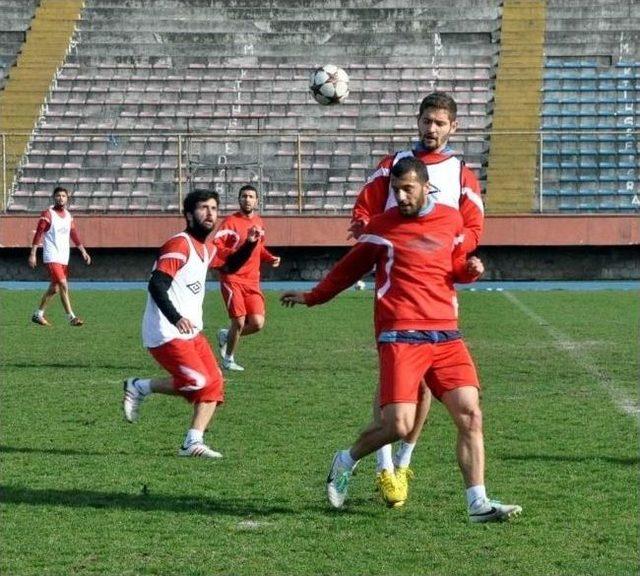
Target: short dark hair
439, 101
60, 189
410, 164
245, 188
191, 200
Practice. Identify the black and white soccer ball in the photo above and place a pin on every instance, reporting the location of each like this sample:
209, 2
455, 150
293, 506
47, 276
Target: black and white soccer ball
329, 84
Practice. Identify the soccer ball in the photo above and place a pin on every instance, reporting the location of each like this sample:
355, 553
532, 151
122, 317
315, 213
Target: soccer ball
359, 285
329, 84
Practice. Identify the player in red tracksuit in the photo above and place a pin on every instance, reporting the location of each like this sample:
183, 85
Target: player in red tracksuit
241, 292
55, 229
452, 184
416, 249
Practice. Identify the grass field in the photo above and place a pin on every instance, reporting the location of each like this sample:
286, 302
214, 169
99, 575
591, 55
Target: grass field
85, 493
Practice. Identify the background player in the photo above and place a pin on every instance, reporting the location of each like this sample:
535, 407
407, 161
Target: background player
172, 322
415, 248
240, 290
452, 184
56, 227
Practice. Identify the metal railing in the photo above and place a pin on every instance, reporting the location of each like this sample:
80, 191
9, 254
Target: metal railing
298, 172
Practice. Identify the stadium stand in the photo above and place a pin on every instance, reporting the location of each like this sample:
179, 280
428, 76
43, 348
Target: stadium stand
235, 79
156, 97
591, 93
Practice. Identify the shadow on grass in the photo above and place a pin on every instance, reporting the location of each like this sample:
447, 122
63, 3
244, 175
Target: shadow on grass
143, 502
53, 451
71, 365
632, 461
185, 504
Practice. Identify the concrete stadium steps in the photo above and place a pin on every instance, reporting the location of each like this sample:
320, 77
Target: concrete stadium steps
179, 68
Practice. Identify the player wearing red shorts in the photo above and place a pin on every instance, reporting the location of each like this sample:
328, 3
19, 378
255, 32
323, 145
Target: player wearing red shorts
55, 229
240, 290
172, 322
415, 248
452, 183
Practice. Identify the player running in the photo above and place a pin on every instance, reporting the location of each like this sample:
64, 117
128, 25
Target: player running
416, 248
240, 290
172, 322
56, 227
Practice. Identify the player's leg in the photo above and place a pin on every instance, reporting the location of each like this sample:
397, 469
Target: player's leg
254, 309
54, 277
396, 421
455, 382
137, 389
205, 400
401, 367
253, 323
233, 337
232, 296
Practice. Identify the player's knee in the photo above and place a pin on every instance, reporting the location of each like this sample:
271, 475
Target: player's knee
470, 419
256, 323
238, 322
401, 425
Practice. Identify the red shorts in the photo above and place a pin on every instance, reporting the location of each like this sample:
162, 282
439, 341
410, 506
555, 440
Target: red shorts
242, 299
57, 272
444, 366
195, 371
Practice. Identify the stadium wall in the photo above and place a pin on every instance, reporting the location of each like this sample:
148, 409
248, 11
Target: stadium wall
527, 247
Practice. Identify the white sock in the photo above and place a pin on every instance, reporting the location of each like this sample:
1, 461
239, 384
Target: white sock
39, 313
347, 459
71, 316
229, 358
193, 436
476, 495
384, 459
143, 385
403, 455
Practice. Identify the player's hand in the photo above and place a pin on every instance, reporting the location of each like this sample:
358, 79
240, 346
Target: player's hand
475, 266
355, 229
87, 258
253, 234
291, 298
276, 262
32, 261
185, 326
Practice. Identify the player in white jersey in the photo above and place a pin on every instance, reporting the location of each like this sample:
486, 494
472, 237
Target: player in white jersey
55, 230
172, 322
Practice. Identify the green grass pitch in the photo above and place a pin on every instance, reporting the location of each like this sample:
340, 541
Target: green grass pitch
84, 493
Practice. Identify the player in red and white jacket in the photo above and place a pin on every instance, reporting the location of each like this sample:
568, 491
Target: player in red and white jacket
56, 228
240, 290
416, 250
172, 322
452, 184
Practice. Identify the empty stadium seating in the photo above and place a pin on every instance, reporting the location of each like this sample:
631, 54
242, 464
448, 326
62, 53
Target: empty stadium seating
202, 68
591, 96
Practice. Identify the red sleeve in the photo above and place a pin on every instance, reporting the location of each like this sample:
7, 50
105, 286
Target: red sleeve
373, 196
472, 210
173, 255
460, 273
355, 264
43, 225
265, 255
74, 234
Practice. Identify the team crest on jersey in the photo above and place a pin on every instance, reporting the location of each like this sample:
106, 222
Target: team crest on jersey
195, 287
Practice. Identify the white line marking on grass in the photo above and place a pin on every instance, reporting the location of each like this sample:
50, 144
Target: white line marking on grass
564, 343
